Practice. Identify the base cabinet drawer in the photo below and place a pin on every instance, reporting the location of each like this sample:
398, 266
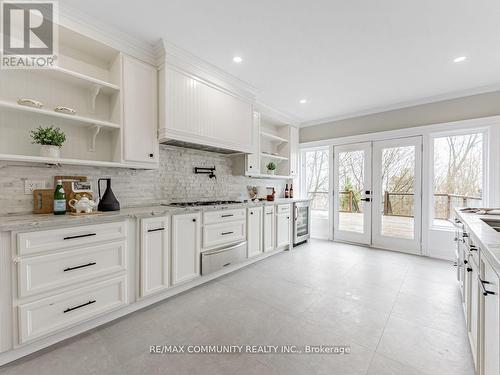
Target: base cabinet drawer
49, 315
223, 216
46, 272
220, 234
63, 238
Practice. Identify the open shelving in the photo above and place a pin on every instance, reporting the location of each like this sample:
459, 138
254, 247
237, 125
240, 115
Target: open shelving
275, 147
87, 79
273, 137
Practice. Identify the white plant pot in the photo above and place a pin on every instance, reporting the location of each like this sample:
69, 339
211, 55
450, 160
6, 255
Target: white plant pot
50, 151
272, 172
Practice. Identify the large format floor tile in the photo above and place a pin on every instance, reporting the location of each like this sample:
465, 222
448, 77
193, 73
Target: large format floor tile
398, 314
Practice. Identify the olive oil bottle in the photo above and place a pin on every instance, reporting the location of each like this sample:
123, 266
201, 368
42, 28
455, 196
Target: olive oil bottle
59, 199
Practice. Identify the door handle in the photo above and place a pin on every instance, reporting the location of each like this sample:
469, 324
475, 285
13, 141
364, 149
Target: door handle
365, 199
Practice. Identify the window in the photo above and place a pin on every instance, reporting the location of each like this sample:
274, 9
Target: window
458, 174
317, 168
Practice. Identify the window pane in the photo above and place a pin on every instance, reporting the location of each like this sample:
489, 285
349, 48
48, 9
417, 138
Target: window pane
458, 174
351, 185
317, 184
398, 180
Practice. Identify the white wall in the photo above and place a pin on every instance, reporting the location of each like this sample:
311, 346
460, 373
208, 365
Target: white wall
470, 107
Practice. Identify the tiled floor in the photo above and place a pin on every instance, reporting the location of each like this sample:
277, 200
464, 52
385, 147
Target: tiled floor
400, 314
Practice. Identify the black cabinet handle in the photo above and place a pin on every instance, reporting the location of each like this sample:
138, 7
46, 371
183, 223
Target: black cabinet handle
78, 267
151, 155
486, 292
251, 212
365, 199
469, 269
226, 233
155, 230
80, 236
79, 306
269, 213
194, 220
466, 261
227, 215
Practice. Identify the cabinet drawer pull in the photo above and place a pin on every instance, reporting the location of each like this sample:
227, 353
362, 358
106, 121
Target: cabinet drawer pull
78, 267
469, 269
269, 213
80, 236
227, 215
226, 233
79, 306
155, 230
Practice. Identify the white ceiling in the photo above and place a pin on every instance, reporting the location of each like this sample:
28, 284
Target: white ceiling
345, 57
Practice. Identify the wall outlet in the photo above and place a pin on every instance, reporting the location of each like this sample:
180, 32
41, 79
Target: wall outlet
30, 185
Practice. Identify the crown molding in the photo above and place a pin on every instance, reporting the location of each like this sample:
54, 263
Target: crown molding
406, 104
273, 114
173, 55
81, 22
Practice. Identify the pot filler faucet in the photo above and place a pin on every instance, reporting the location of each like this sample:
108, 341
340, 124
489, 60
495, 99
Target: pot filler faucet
209, 171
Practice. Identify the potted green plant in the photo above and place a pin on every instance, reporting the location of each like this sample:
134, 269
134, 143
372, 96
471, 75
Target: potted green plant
271, 167
50, 139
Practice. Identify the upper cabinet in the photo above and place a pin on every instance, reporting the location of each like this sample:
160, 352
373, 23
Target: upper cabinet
93, 95
277, 145
140, 112
200, 109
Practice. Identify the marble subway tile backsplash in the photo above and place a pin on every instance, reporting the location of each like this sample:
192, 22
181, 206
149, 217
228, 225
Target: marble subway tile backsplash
173, 181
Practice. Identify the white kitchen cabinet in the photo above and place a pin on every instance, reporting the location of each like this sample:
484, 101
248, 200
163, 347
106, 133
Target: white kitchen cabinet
255, 228
198, 111
473, 326
283, 226
140, 112
490, 320
269, 228
155, 255
294, 151
186, 247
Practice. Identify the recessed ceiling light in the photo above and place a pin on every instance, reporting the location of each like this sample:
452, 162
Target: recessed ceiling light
237, 59
460, 59
303, 101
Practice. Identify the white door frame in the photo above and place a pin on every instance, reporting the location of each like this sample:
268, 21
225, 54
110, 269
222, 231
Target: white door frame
414, 245
348, 236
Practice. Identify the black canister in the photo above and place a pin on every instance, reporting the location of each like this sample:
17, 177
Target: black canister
108, 201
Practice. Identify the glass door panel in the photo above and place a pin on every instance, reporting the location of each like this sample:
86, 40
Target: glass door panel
352, 193
396, 194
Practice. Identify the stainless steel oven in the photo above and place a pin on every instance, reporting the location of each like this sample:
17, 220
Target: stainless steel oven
301, 222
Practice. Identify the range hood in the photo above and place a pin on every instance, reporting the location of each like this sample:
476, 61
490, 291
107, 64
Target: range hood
196, 146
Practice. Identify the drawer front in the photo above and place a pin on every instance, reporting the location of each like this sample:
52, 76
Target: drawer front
269, 210
220, 234
49, 315
223, 216
46, 272
212, 261
64, 238
283, 208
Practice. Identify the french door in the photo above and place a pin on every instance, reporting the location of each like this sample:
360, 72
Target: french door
377, 193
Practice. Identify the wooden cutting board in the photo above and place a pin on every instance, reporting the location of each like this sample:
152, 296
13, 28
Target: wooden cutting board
43, 201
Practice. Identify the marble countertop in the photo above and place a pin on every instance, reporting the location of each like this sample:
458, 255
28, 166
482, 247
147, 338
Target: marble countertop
31, 221
486, 236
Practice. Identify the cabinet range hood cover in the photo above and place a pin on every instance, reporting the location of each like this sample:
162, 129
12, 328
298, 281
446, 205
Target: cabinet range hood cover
196, 146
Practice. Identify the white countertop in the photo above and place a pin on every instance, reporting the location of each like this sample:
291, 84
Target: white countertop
486, 236
32, 221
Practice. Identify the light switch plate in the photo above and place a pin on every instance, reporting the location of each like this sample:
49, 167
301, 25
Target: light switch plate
30, 185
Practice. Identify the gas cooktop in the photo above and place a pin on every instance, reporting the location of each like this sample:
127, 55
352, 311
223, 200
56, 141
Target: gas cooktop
201, 203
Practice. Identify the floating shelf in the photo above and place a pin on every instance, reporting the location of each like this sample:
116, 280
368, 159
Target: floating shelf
81, 79
270, 176
80, 120
269, 156
52, 161
273, 137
